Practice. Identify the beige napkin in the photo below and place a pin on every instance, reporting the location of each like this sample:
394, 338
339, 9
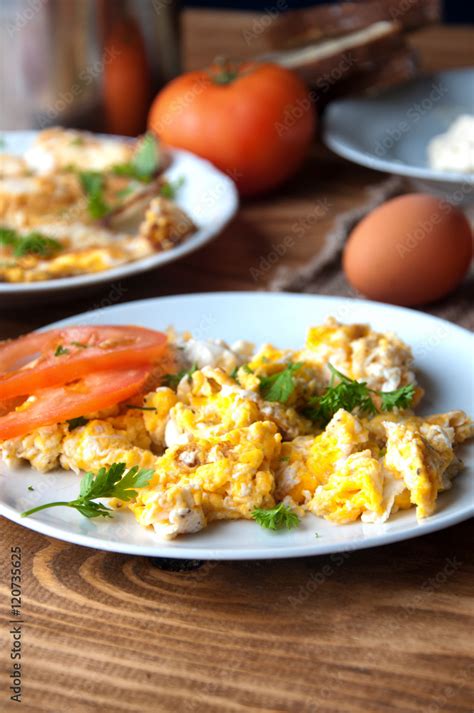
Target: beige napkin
323, 275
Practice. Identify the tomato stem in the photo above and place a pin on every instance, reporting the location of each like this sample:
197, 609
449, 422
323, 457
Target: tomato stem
227, 71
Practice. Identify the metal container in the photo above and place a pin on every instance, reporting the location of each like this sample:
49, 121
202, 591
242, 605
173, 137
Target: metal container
85, 63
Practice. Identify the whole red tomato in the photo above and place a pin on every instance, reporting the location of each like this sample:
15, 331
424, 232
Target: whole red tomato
253, 121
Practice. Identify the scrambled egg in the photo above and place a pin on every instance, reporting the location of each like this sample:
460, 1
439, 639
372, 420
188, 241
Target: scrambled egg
43, 194
219, 449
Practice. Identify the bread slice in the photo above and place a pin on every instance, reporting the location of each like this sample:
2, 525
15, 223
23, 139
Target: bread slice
326, 62
315, 24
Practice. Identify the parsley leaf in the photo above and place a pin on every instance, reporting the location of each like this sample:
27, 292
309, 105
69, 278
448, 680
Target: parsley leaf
235, 371
279, 386
33, 243
172, 380
8, 237
170, 188
60, 351
353, 395
93, 185
400, 398
276, 518
113, 482
36, 244
77, 422
145, 162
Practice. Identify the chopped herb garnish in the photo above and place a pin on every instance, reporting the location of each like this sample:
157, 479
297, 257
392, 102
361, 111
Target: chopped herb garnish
61, 351
77, 141
36, 244
400, 398
353, 395
140, 408
277, 518
279, 386
145, 162
170, 188
8, 237
30, 487
33, 243
245, 367
77, 422
128, 190
113, 482
172, 380
79, 345
93, 185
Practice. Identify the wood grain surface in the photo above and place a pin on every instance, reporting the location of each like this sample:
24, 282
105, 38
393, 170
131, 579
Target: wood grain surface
382, 630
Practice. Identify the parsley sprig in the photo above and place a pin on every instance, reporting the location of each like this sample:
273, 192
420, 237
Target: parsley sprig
113, 482
144, 163
93, 185
170, 188
172, 380
400, 398
277, 518
353, 395
33, 243
279, 386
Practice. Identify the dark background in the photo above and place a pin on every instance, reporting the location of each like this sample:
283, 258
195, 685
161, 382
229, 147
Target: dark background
455, 11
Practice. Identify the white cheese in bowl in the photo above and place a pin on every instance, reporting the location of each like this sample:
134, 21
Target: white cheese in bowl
454, 150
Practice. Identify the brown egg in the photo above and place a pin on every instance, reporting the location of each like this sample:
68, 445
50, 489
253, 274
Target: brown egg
409, 251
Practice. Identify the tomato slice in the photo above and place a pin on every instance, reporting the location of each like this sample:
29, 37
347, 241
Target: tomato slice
93, 392
43, 359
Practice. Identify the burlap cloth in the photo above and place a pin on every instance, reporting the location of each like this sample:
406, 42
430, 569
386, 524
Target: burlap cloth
323, 275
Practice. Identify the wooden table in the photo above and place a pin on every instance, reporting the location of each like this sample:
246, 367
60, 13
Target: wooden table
366, 632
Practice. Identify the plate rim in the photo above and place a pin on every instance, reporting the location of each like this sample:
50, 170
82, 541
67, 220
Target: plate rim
252, 293
370, 160
437, 522
288, 552
151, 262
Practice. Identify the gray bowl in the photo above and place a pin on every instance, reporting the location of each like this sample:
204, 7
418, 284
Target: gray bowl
391, 131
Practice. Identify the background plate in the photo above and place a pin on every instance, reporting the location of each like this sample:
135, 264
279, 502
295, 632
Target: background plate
443, 356
208, 196
391, 131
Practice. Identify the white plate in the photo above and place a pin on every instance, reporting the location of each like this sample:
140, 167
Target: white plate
391, 131
208, 196
442, 351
